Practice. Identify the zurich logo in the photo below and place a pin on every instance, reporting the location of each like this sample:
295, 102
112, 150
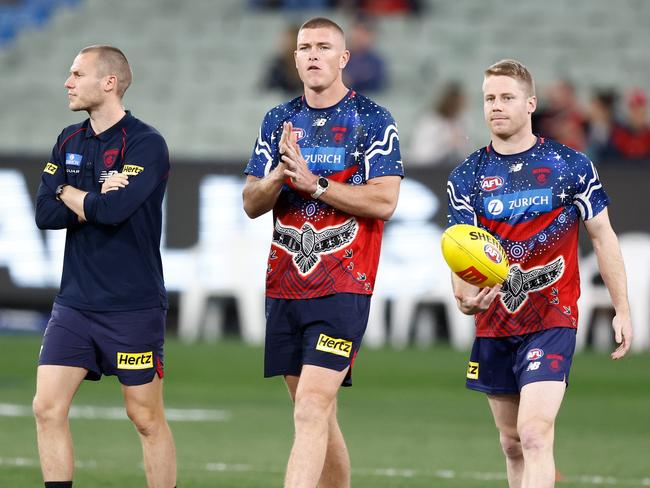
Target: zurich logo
495, 206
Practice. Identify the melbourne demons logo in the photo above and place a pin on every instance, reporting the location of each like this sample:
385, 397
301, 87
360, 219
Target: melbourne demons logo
110, 157
542, 175
520, 283
306, 244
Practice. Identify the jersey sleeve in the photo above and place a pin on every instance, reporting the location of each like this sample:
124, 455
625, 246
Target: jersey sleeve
50, 212
382, 156
265, 152
590, 197
459, 206
146, 162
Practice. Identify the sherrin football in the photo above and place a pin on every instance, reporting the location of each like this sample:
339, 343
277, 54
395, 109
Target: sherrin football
475, 255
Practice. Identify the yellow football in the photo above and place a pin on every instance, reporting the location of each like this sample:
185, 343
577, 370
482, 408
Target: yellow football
475, 255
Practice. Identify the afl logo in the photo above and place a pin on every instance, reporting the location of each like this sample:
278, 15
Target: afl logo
298, 132
492, 253
534, 354
491, 183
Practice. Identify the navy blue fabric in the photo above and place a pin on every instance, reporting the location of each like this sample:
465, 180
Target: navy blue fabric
97, 340
112, 262
504, 365
324, 331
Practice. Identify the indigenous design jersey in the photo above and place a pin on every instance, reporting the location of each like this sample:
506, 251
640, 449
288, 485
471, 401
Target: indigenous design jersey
532, 202
316, 249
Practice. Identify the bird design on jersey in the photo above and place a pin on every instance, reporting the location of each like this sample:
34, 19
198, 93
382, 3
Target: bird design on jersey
520, 282
306, 244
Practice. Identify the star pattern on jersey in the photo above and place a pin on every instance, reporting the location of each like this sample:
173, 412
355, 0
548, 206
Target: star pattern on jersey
568, 182
534, 212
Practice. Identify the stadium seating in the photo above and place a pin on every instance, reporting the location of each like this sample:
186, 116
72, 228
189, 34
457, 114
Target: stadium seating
198, 64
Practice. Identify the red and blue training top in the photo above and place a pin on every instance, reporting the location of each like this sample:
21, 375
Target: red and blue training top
532, 202
318, 250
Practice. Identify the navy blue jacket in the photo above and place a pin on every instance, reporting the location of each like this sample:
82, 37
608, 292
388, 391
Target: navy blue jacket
112, 261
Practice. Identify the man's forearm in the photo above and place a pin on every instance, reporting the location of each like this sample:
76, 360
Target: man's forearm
374, 200
73, 198
612, 269
260, 194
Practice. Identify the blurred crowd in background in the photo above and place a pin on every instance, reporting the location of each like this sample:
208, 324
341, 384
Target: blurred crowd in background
610, 126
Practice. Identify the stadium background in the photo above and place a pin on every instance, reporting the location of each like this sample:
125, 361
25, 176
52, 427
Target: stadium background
198, 67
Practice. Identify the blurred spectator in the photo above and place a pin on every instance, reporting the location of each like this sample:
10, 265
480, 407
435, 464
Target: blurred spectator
562, 119
281, 73
632, 139
293, 4
382, 7
600, 126
440, 136
366, 70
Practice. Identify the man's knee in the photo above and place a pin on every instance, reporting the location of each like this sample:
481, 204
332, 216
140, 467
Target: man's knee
48, 410
312, 408
511, 445
536, 435
148, 421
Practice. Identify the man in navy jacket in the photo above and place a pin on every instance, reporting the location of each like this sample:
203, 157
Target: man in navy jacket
105, 183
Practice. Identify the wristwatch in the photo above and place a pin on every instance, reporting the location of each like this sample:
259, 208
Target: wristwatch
321, 187
59, 190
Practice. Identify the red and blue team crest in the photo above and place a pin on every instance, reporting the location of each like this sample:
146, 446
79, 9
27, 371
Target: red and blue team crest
110, 157
491, 183
339, 133
534, 354
542, 174
298, 132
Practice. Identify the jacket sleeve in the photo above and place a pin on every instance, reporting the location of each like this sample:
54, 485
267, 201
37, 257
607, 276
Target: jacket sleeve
146, 162
50, 212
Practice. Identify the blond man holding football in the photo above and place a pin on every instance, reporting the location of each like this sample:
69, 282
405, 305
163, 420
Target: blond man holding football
531, 194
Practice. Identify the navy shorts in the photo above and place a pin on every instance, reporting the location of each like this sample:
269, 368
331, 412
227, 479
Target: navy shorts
503, 365
126, 344
324, 331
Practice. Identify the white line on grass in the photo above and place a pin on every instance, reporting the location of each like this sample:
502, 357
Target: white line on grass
380, 472
118, 413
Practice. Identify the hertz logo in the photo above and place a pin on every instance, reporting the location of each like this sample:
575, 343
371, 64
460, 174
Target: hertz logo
339, 347
472, 370
50, 168
132, 170
135, 360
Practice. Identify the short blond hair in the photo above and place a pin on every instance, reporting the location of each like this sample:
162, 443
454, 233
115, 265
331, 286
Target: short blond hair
513, 69
322, 23
112, 61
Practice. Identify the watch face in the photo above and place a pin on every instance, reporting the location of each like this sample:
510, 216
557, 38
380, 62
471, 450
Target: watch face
322, 182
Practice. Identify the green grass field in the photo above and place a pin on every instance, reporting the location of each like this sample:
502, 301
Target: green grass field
409, 422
